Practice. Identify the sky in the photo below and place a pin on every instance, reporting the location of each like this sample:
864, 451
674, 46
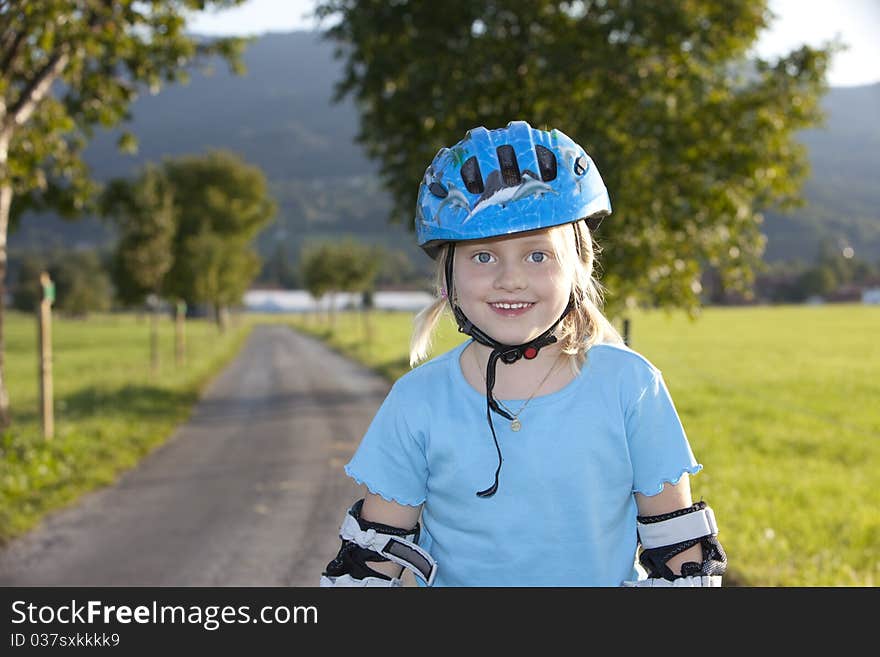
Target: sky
814, 22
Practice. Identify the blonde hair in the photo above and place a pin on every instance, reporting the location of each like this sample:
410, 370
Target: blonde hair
583, 327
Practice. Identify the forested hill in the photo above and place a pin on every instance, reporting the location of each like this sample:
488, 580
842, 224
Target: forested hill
843, 195
280, 117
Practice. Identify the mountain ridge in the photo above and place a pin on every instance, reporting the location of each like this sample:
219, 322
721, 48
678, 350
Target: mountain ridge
281, 117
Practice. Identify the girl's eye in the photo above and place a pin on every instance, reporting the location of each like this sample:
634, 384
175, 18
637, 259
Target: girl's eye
483, 258
538, 256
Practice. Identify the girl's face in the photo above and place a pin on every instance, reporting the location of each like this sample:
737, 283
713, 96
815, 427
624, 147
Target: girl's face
513, 288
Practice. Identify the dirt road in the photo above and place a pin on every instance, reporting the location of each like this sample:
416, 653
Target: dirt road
249, 492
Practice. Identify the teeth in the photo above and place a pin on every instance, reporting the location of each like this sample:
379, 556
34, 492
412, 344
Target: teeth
511, 306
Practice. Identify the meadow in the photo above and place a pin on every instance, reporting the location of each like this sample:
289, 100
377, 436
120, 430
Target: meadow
110, 408
780, 405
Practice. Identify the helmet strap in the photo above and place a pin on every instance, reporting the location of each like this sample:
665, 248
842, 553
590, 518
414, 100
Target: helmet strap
507, 354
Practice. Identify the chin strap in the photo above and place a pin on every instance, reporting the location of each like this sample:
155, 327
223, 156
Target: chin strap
507, 354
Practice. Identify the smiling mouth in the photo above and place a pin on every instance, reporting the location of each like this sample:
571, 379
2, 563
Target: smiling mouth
511, 307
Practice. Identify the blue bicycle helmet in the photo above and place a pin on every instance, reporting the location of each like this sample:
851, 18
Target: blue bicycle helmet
504, 181
500, 182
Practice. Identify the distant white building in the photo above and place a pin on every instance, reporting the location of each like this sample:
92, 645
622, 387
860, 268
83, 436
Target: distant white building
300, 301
871, 295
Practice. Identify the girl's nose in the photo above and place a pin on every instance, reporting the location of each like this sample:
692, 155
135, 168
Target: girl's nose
510, 277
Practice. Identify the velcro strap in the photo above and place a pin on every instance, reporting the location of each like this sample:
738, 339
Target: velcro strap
694, 581
680, 528
347, 581
400, 550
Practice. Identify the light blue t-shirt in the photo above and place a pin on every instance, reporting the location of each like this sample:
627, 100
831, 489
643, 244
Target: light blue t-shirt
564, 513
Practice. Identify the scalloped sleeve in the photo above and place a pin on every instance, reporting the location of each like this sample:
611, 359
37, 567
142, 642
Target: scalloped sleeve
390, 460
658, 446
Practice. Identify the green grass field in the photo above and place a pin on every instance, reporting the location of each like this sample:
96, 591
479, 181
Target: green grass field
110, 410
780, 405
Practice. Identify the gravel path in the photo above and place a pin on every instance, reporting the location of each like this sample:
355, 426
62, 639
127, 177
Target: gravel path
249, 492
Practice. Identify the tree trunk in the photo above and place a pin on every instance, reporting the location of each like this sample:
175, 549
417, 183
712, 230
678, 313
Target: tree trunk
22, 112
367, 325
5, 206
154, 340
221, 314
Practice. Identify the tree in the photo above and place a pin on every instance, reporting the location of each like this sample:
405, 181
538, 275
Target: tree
82, 284
186, 228
318, 271
346, 266
693, 141
836, 266
28, 292
278, 270
356, 266
396, 268
66, 66
222, 268
145, 215
221, 204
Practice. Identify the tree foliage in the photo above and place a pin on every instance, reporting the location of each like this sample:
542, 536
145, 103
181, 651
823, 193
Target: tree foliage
186, 228
67, 66
222, 202
836, 268
316, 271
144, 211
693, 140
278, 270
82, 284
222, 269
27, 292
96, 57
345, 266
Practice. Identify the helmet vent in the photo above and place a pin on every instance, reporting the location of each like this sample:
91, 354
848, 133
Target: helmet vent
546, 162
438, 190
470, 174
510, 174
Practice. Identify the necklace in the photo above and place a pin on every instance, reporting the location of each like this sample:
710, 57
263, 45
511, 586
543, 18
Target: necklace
515, 424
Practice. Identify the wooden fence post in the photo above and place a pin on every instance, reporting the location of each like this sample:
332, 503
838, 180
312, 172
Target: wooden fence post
153, 304
180, 340
44, 316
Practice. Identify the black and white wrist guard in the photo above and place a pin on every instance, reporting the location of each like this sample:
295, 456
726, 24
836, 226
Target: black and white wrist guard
364, 541
665, 535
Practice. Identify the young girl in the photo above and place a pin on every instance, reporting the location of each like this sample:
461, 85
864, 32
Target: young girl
595, 460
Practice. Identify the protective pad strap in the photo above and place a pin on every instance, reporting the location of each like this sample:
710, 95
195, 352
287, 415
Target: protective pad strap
693, 522
693, 581
347, 581
399, 549
665, 535
362, 538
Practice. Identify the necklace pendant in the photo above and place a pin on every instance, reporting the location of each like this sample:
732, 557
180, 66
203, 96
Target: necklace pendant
516, 425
